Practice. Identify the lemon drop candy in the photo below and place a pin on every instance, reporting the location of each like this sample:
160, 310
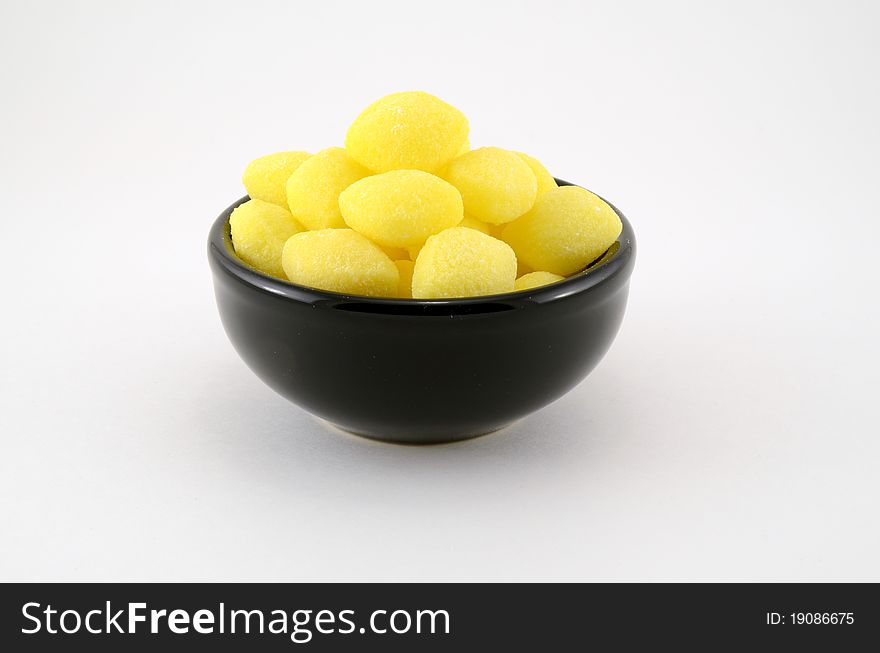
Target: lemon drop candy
404, 284
497, 186
543, 177
339, 260
535, 280
313, 188
568, 228
265, 178
463, 262
468, 222
259, 230
402, 131
401, 208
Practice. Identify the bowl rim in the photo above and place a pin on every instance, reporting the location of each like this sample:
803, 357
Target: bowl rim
598, 273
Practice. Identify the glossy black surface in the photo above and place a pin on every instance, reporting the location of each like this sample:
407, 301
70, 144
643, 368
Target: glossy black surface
420, 371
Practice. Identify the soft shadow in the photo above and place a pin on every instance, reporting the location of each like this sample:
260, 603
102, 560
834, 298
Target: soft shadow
264, 436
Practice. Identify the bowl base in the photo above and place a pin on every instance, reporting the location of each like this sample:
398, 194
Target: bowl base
413, 441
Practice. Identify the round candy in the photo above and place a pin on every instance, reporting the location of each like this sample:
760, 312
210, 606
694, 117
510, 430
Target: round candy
470, 223
313, 188
545, 179
497, 186
536, 279
401, 208
259, 230
465, 147
404, 285
411, 130
340, 260
265, 178
462, 262
568, 228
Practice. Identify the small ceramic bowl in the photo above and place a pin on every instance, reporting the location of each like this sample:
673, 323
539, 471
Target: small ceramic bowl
421, 371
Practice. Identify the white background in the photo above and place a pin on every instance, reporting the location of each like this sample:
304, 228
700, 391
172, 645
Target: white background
731, 433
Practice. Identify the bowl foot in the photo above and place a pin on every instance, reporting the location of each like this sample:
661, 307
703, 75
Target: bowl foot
414, 440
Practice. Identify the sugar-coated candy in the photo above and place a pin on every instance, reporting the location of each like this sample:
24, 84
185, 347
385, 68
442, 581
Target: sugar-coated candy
265, 178
340, 260
407, 209
468, 222
314, 187
401, 208
545, 179
536, 279
497, 186
259, 230
411, 130
568, 228
404, 285
462, 262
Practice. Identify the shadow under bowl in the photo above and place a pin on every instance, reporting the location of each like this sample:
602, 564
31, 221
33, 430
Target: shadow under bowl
421, 371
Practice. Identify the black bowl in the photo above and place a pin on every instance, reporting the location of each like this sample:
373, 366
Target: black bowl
421, 371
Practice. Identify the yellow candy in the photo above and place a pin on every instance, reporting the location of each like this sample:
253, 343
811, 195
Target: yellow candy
471, 223
265, 178
545, 179
497, 186
259, 230
401, 208
465, 147
404, 286
568, 228
411, 130
313, 188
340, 260
536, 279
462, 262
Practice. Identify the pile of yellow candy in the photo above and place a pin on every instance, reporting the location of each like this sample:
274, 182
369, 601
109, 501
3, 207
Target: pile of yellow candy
408, 210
